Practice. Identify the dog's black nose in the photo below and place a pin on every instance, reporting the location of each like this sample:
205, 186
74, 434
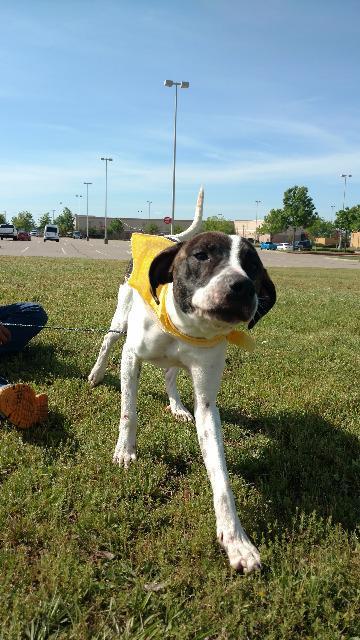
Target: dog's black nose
243, 288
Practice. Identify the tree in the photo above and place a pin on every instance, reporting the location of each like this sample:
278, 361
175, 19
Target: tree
152, 228
116, 227
44, 220
65, 221
274, 222
2, 218
299, 208
218, 223
23, 220
347, 220
298, 211
321, 229
355, 226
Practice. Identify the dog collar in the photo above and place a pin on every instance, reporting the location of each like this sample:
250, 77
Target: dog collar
144, 249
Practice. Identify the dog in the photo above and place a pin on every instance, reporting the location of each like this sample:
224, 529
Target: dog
204, 285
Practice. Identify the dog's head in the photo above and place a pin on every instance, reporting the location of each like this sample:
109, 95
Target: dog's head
216, 276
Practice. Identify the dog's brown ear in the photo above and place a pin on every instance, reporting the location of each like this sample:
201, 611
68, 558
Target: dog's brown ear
266, 297
160, 271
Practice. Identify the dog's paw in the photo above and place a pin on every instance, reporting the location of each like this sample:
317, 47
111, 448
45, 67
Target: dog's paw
124, 456
243, 555
180, 413
95, 377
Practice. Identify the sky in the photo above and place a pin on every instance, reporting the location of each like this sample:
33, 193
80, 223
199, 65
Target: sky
273, 102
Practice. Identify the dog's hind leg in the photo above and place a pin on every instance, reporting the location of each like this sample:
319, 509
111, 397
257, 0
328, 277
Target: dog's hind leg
118, 327
176, 406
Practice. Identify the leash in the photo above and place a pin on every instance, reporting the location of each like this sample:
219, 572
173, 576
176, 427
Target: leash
76, 329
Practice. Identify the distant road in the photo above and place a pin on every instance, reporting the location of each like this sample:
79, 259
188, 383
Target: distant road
120, 250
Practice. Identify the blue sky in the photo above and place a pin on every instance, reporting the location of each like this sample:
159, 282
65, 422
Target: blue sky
274, 100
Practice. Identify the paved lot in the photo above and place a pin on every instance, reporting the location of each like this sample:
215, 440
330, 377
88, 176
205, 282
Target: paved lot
67, 248
298, 259
120, 250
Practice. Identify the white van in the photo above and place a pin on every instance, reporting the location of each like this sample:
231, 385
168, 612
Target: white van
51, 232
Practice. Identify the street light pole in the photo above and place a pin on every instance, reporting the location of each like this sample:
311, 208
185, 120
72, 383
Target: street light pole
257, 206
79, 196
53, 215
182, 85
332, 212
105, 230
149, 203
345, 176
87, 209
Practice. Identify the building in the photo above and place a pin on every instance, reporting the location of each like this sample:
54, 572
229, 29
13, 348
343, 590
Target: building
288, 235
355, 240
247, 229
327, 242
131, 225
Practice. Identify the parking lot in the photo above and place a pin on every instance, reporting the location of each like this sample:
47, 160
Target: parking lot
67, 248
120, 250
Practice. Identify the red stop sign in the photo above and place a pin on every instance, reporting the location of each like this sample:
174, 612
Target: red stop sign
167, 220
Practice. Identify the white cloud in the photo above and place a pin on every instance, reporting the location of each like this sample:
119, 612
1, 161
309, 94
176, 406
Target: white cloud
123, 173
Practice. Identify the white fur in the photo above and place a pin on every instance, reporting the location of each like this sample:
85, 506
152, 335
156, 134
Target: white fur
207, 297
146, 341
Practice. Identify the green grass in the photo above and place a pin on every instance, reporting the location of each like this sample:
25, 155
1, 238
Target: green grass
89, 551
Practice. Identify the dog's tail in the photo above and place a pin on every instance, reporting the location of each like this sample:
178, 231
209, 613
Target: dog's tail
195, 226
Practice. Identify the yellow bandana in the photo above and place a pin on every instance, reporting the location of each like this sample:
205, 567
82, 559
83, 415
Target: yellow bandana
144, 249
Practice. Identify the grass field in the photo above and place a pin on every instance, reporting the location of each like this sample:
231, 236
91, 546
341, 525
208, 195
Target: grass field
90, 551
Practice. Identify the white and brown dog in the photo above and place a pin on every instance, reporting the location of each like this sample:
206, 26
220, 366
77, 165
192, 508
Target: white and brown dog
205, 286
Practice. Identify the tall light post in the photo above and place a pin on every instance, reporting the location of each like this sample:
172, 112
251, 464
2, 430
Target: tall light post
106, 160
332, 212
345, 176
53, 210
79, 195
257, 206
182, 85
149, 203
87, 209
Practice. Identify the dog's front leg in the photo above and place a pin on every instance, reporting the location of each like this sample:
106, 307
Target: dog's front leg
125, 450
243, 556
118, 326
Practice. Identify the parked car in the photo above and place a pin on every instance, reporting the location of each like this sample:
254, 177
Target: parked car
34, 232
8, 231
284, 246
51, 232
271, 246
303, 244
77, 235
24, 235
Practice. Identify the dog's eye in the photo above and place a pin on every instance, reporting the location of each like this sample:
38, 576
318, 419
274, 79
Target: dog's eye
201, 255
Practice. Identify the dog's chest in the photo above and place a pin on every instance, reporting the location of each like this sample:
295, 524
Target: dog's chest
149, 341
